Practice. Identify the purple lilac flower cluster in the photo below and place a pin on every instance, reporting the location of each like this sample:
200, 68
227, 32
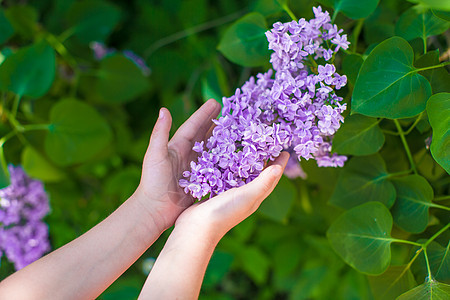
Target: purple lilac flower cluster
297, 110
23, 204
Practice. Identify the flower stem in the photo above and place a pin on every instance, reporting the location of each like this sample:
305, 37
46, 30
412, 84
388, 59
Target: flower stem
356, 33
436, 235
430, 277
406, 242
414, 124
434, 67
15, 107
288, 11
405, 145
441, 198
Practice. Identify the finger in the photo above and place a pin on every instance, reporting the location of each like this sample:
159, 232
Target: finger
160, 134
198, 124
263, 185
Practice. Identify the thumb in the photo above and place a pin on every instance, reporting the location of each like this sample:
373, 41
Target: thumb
263, 185
160, 135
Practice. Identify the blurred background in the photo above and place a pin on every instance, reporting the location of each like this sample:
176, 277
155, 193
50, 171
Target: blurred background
126, 59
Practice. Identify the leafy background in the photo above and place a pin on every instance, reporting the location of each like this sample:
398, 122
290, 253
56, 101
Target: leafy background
375, 229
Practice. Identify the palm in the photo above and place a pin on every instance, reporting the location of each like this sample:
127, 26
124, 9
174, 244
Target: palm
165, 162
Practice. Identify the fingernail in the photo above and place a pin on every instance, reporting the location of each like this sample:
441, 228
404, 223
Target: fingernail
161, 114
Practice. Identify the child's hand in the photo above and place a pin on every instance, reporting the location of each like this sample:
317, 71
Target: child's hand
219, 214
165, 160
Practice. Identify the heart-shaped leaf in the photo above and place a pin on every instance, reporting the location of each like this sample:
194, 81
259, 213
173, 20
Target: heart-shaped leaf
120, 80
438, 109
76, 133
436, 4
356, 9
245, 41
361, 236
414, 195
430, 290
38, 167
359, 135
388, 85
30, 71
363, 179
93, 20
416, 23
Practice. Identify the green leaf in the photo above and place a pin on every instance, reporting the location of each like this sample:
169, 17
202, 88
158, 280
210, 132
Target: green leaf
430, 290
38, 167
416, 23
245, 42
77, 132
93, 20
363, 179
435, 4
388, 85
444, 15
351, 65
392, 283
268, 7
414, 195
120, 80
255, 263
30, 71
438, 109
442, 272
438, 77
218, 267
6, 29
355, 9
278, 204
23, 19
359, 135
361, 236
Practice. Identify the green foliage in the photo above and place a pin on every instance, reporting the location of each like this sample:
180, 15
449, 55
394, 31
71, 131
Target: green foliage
388, 85
364, 179
81, 124
279, 202
427, 291
76, 133
92, 20
120, 80
30, 71
245, 42
414, 195
361, 236
355, 9
392, 283
438, 109
416, 23
359, 135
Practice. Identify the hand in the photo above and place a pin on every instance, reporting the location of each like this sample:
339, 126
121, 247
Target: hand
221, 213
165, 161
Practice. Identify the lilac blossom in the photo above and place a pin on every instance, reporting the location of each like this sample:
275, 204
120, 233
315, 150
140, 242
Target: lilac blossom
293, 107
23, 205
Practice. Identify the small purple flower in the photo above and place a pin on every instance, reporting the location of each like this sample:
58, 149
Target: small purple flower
23, 204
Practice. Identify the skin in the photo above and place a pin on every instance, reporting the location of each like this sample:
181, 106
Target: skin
85, 267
